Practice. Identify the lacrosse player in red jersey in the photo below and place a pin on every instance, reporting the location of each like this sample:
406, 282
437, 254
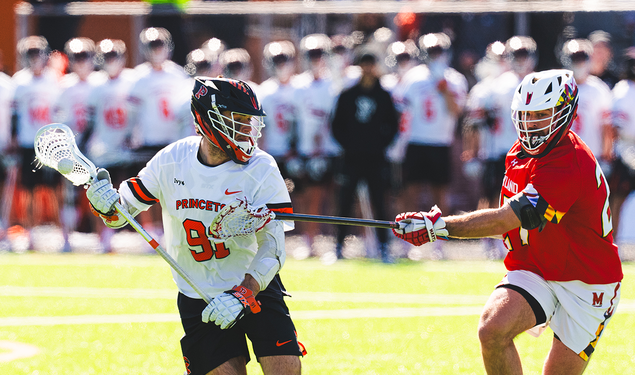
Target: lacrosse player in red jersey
563, 267
193, 179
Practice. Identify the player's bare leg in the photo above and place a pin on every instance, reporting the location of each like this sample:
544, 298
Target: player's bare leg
281, 365
563, 361
235, 366
506, 314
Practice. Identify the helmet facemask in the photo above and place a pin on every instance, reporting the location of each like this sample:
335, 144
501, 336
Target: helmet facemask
536, 129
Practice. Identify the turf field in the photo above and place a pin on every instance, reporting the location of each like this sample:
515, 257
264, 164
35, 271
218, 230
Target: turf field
116, 314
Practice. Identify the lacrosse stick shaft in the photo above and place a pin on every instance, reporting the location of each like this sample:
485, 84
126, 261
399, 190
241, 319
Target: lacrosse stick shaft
336, 220
155, 245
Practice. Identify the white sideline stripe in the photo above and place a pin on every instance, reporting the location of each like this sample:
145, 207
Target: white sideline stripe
16, 350
84, 292
399, 312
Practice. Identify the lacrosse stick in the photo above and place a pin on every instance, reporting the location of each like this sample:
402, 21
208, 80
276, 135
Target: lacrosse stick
55, 147
239, 218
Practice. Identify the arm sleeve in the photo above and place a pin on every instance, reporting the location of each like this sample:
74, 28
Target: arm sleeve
271, 254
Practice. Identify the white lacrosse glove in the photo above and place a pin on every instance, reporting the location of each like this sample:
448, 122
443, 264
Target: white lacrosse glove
419, 228
230, 306
102, 197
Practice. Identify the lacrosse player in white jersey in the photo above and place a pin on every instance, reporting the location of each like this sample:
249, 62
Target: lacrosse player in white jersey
72, 109
7, 156
593, 123
192, 179
33, 101
489, 131
157, 105
622, 180
316, 95
278, 98
434, 102
107, 137
235, 63
401, 58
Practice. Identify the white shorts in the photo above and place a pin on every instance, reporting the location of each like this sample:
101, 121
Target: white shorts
576, 312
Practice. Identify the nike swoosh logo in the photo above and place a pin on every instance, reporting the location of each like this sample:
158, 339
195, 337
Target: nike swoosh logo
278, 343
227, 192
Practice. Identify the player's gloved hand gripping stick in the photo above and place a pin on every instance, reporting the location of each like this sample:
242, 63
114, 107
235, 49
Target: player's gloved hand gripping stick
55, 147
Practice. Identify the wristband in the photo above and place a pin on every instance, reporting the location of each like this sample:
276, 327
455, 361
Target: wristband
246, 297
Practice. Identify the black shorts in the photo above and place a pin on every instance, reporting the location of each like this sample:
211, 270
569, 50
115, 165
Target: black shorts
428, 164
205, 346
622, 178
30, 176
493, 174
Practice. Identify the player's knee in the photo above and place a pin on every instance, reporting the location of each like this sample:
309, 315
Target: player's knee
492, 331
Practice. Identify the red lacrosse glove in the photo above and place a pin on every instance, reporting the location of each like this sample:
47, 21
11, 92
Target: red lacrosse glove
419, 228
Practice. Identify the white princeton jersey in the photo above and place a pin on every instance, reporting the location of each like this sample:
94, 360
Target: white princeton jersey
280, 104
156, 103
492, 97
111, 125
72, 106
33, 102
316, 103
431, 122
594, 112
624, 113
191, 194
6, 95
397, 87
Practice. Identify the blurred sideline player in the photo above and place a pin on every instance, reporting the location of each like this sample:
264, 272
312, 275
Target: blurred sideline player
278, 98
107, 138
318, 149
489, 128
365, 123
593, 123
71, 108
192, 179
602, 64
32, 107
156, 106
401, 58
622, 181
344, 73
563, 268
235, 63
434, 102
8, 168
213, 48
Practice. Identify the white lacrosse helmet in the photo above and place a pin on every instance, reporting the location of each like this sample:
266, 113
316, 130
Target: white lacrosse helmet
553, 90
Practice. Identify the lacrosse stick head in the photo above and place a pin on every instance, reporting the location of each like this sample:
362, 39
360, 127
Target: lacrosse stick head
55, 147
239, 218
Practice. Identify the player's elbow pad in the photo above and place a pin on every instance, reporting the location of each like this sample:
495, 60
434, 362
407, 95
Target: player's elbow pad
528, 215
271, 254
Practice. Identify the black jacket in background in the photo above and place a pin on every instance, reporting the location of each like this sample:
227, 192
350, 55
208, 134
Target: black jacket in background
365, 121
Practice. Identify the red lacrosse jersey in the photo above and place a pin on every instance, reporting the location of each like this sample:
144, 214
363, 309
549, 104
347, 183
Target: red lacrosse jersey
568, 188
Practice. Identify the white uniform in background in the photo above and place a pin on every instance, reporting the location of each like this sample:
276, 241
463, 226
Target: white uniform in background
191, 194
594, 112
280, 104
431, 123
6, 95
624, 111
111, 128
156, 107
71, 107
398, 88
496, 141
316, 101
33, 102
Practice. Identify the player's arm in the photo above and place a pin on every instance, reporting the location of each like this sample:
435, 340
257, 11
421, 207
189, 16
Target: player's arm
483, 223
419, 228
450, 98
